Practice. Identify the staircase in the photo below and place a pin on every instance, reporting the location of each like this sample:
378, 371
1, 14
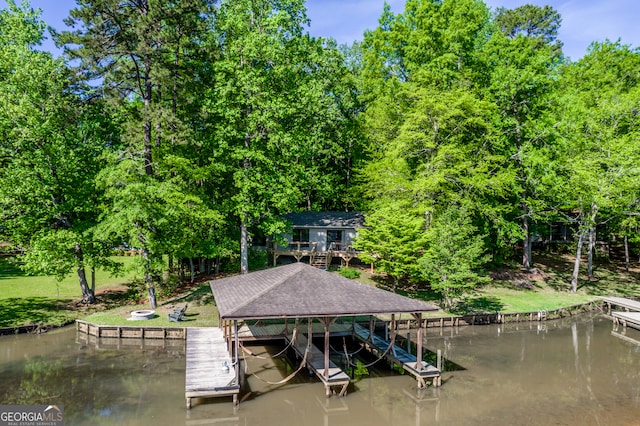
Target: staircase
319, 260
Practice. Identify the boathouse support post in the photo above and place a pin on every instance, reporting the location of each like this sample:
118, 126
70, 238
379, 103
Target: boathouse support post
419, 343
325, 321
309, 338
236, 345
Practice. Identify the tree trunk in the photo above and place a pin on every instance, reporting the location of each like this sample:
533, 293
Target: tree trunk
88, 296
192, 272
576, 264
148, 157
526, 243
244, 248
592, 244
585, 228
626, 253
148, 279
93, 280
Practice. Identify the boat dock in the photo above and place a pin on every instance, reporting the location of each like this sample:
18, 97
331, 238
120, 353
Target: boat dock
335, 377
420, 370
210, 370
631, 314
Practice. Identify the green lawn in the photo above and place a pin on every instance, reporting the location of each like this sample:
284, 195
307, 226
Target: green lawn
201, 311
44, 300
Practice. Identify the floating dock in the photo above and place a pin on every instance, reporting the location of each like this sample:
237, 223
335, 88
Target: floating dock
335, 377
210, 371
421, 371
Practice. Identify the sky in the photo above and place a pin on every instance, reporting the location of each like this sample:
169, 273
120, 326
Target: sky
583, 21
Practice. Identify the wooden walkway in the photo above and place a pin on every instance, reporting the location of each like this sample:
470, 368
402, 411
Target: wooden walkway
315, 363
209, 371
398, 355
627, 304
632, 319
626, 317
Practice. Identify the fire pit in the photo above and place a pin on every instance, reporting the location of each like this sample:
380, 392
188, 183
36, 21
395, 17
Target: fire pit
144, 314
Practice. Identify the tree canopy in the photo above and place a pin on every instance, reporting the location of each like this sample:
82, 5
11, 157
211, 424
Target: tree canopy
188, 129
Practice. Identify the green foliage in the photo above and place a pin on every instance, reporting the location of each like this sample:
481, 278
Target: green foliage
392, 240
455, 255
350, 273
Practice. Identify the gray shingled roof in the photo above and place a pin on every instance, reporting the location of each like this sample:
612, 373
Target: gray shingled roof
326, 219
300, 291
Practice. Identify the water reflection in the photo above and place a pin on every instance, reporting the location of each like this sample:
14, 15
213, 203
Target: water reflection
574, 371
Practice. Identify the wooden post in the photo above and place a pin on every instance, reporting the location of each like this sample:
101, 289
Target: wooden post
419, 348
236, 357
309, 339
371, 326
325, 320
409, 341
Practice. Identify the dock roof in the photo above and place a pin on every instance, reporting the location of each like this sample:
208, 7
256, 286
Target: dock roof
298, 290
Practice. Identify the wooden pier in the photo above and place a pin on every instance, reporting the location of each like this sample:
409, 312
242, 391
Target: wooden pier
335, 377
210, 370
631, 319
420, 370
631, 314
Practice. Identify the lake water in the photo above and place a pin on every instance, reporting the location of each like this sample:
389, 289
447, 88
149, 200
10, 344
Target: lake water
566, 372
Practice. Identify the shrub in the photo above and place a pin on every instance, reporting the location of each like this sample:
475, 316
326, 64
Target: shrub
349, 273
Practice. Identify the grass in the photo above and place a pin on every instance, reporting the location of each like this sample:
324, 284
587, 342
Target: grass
14, 283
201, 311
547, 288
43, 300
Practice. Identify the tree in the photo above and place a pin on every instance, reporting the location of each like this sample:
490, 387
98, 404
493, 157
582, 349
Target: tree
49, 156
531, 21
280, 112
136, 50
521, 86
393, 239
598, 122
455, 255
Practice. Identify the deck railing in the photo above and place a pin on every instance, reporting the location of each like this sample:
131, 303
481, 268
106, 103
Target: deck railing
342, 247
296, 246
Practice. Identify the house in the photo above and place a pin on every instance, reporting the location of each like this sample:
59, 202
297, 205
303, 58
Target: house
320, 236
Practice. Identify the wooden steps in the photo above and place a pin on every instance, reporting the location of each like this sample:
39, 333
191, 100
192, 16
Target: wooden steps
319, 260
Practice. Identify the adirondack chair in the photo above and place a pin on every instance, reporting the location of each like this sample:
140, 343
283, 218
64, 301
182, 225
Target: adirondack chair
178, 313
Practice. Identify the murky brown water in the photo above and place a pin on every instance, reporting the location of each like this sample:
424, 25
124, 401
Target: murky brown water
570, 372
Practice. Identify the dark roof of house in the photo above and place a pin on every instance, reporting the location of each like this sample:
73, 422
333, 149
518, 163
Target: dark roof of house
326, 219
298, 290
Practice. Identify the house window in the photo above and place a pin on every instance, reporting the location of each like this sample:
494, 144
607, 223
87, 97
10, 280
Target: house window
334, 236
300, 235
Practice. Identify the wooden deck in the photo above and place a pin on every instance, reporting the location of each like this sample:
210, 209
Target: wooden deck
399, 356
627, 304
315, 362
209, 371
631, 319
